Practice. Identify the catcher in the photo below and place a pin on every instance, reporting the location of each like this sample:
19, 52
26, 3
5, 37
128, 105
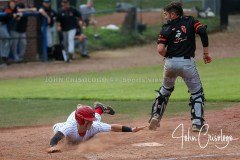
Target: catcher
177, 44
83, 124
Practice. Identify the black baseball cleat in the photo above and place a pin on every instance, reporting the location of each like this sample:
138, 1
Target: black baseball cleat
85, 56
105, 108
198, 128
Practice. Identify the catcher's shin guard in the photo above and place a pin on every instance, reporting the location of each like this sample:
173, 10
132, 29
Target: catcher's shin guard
197, 109
158, 109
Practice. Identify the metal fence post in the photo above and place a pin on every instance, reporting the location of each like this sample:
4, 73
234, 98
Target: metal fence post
44, 39
136, 12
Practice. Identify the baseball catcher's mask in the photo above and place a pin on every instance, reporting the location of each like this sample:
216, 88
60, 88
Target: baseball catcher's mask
84, 113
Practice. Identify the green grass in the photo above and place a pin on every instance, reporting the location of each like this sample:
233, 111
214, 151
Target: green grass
47, 112
113, 39
116, 39
220, 81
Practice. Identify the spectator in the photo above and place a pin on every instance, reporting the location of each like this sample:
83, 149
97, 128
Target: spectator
87, 11
68, 19
81, 43
49, 14
4, 34
18, 30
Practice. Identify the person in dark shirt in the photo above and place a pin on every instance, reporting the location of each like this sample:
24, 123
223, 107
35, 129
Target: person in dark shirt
50, 15
4, 34
18, 30
176, 43
68, 20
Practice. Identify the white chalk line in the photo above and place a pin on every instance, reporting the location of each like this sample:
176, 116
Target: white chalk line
202, 156
150, 144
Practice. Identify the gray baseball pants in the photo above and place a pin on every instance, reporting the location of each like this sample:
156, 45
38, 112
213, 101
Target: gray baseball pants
186, 69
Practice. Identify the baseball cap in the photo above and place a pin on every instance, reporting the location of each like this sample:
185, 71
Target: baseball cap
47, 1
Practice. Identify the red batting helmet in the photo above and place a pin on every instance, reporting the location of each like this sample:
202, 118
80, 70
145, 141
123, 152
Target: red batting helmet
84, 113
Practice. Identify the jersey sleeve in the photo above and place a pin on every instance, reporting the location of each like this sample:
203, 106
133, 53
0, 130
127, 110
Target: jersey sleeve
66, 129
201, 31
162, 39
197, 25
101, 127
163, 36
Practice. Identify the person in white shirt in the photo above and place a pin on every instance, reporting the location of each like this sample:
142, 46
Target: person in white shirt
83, 123
88, 11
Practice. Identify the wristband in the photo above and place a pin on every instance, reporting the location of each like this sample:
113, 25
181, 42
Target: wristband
56, 138
126, 129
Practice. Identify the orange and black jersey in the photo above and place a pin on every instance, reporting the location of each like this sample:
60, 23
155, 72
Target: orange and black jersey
179, 36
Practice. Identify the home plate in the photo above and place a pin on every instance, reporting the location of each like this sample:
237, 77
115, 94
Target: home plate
151, 144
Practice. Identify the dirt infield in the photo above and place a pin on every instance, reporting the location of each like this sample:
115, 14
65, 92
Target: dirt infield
31, 142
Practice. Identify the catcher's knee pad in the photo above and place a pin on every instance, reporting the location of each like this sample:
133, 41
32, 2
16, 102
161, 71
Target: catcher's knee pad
160, 104
197, 107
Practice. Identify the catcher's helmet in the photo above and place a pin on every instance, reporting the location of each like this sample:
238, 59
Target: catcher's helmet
84, 113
